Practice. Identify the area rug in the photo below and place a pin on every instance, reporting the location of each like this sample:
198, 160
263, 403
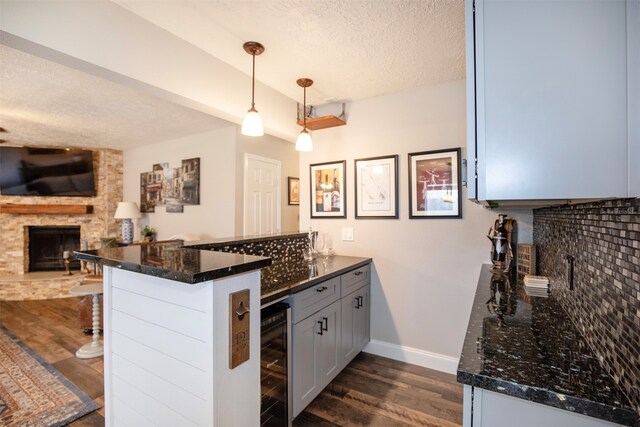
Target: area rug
32, 392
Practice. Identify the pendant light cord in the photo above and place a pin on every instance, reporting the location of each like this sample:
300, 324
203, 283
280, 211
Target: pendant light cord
304, 109
253, 82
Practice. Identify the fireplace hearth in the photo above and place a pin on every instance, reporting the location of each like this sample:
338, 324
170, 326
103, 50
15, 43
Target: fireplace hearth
47, 244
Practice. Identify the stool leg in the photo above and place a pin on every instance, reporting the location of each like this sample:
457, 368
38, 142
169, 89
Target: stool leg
96, 321
93, 348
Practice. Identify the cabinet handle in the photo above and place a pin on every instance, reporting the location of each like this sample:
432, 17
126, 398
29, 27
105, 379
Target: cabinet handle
361, 300
320, 327
326, 324
358, 303
322, 289
357, 273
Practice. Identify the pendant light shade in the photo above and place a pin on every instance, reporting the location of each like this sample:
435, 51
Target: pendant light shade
304, 143
252, 123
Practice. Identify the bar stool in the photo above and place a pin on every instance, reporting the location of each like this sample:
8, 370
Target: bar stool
94, 348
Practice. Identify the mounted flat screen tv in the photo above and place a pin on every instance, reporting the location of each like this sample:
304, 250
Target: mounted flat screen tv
26, 171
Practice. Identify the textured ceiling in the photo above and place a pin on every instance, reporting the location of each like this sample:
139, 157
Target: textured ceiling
352, 49
44, 103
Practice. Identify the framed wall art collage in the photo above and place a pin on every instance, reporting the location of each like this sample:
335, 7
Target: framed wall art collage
435, 189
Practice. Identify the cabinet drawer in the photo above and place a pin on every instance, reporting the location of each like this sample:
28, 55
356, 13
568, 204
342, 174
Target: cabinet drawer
315, 298
355, 279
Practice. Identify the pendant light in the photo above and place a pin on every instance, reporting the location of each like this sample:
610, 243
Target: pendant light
252, 123
304, 143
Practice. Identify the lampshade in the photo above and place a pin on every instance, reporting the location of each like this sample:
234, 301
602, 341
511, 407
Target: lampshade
304, 143
252, 124
127, 210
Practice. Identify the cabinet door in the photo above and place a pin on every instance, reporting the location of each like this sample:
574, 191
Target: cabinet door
355, 324
633, 74
551, 99
363, 313
316, 354
349, 340
330, 343
306, 363
492, 409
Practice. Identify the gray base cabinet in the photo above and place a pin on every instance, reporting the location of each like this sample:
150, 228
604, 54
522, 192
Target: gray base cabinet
483, 408
330, 327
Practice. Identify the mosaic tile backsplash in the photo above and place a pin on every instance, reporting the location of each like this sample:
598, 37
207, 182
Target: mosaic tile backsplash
279, 248
604, 239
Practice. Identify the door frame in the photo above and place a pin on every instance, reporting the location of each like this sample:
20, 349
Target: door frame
245, 196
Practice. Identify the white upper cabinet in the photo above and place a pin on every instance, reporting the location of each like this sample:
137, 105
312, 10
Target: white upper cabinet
552, 88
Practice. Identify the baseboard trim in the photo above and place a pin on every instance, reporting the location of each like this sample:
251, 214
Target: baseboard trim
415, 356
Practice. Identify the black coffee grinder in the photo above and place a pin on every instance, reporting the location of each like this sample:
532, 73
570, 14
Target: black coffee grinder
501, 237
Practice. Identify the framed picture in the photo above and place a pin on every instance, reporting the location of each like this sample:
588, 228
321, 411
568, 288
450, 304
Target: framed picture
328, 190
434, 184
376, 184
294, 190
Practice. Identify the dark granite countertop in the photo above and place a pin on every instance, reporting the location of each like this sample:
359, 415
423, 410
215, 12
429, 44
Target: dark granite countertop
287, 276
527, 347
174, 262
279, 277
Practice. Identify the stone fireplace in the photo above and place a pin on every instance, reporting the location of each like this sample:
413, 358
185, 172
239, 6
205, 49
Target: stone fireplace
47, 244
15, 229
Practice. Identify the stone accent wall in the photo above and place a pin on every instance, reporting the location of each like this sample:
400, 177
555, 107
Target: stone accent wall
39, 288
107, 166
604, 239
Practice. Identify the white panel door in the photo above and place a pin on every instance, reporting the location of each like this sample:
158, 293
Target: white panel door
262, 195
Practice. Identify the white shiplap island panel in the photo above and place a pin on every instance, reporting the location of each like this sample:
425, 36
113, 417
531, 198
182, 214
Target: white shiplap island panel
167, 352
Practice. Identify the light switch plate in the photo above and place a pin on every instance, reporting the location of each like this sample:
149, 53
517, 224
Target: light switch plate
347, 234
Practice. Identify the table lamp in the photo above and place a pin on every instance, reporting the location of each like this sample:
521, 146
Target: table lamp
127, 211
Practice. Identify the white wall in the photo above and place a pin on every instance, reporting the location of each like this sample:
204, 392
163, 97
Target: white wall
425, 270
215, 215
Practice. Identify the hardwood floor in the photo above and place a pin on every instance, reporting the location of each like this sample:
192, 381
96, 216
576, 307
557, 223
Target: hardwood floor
376, 391
371, 391
50, 328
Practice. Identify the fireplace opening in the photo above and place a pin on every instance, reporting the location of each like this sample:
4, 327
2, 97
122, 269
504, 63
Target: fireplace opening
47, 244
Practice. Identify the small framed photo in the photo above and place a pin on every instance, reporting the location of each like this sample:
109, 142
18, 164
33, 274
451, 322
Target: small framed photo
294, 190
376, 184
434, 184
328, 190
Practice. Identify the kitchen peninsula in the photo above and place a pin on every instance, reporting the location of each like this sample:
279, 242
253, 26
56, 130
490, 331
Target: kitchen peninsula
167, 324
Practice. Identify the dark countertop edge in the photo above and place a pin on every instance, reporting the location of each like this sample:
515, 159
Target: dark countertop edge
188, 278
576, 405
305, 284
237, 240
620, 415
